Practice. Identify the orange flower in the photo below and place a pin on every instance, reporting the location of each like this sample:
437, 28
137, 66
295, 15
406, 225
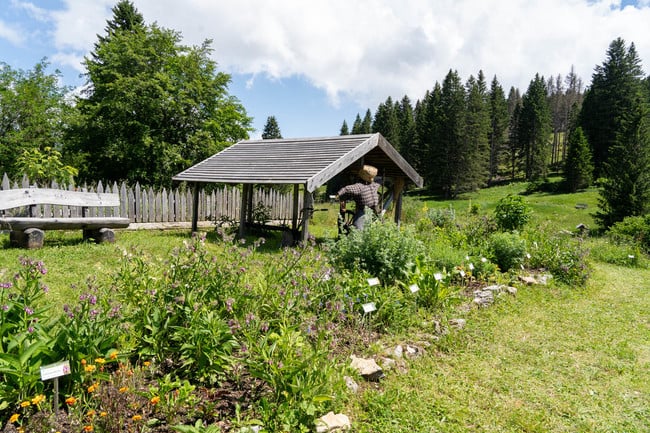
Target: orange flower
83, 362
70, 401
136, 417
146, 363
113, 356
100, 361
89, 368
38, 399
103, 414
88, 428
92, 388
25, 403
91, 413
155, 400
14, 418
123, 389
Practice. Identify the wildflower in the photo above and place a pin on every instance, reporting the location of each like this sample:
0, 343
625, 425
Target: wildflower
100, 361
14, 418
155, 400
147, 363
29, 311
83, 362
103, 414
88, 428
38, 399
136, 417
91, 413
123, 389
70, 401
113, 356
30, 329
25, 403
92, 388
89, 368
5, 285
45, 288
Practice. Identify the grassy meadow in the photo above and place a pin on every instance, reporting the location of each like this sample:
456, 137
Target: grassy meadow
553, 358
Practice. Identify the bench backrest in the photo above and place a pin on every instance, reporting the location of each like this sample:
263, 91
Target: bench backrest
12, 198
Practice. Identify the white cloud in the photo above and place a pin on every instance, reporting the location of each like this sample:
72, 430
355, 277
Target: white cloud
369, 49
10, 33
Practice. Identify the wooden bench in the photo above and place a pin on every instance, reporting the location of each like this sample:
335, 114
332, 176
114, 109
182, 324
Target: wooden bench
53, 209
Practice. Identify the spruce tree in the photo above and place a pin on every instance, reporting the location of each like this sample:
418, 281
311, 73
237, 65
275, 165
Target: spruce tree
386, 123
406, 126
366, 124
271, 129
477, 123
344, 129
578, 169
513, 148
534, 130
498, 126
357, 128
615, 88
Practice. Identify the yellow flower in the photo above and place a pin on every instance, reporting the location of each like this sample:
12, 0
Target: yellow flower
147, 363
91, 413
70, 401
89, 368
123, 389
25, 403
38, 399
103, 414
88, 428
14, 418
92, 388
155, 400
136, 417
113, 356
83, 362
100, 361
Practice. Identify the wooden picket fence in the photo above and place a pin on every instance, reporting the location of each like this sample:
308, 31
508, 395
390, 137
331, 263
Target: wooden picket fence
147, 205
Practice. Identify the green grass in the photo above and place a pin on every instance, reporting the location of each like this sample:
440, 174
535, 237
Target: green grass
549, 360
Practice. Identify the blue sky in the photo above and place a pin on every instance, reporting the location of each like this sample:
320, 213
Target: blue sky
313, 64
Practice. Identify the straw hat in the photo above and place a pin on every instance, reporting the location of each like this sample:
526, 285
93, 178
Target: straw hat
368, 173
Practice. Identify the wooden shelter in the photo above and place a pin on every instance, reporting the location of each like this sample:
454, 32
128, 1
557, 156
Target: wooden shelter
310, 162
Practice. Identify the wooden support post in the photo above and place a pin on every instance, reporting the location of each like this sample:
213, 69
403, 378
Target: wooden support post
243, 211
307, 207
195, 207
397, 194
294, 219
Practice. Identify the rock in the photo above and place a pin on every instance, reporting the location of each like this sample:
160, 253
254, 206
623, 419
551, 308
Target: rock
483, 298
351, 384
494, 288
528, 280
387, 363
398, 352
333, 422
367, 368
458, 323
511, 290
413, 351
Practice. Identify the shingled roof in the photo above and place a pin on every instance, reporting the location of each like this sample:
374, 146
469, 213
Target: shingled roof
308, 161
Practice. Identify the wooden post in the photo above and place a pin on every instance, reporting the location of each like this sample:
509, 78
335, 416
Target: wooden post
307, 205
294, 219
397, 194
243, 211
195, 208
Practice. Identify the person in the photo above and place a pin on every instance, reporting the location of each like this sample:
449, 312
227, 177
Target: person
363, 193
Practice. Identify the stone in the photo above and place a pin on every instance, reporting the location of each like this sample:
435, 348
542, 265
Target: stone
528, 280
332, 422
351, 384
31, 238
511, 290
387, 363
367, 368
494, 288
413, 351
398, 352
458, 323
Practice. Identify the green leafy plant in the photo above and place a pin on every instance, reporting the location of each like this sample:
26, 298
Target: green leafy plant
434, 290
44, 167
507, 250
512, 213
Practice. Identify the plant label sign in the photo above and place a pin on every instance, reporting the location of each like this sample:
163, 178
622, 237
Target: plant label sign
52, 371
373, 281
414, 288
369, 307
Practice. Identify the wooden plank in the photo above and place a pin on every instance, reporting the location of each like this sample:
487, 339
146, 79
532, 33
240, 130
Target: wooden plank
12, 198
17, 223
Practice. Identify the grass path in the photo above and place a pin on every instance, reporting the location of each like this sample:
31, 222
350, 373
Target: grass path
549, 360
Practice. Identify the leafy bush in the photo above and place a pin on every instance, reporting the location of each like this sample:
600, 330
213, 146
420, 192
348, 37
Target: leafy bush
620, 254
564, 257
434, 290
442, 217
633, 230
511, 213
382, 249
507, 250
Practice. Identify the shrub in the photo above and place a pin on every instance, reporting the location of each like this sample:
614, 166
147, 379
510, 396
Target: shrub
634, 230
507, 250
382, 249
512, 213
564, 257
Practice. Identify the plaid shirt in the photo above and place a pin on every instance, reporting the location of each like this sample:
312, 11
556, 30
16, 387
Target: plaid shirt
363, 194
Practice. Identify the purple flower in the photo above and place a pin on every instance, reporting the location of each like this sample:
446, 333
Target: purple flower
229, 303
93, 300
45, 288
6, 285
5, 308
30, 329
29, 311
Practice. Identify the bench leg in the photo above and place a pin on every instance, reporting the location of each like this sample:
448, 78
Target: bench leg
28, 238
100, 235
